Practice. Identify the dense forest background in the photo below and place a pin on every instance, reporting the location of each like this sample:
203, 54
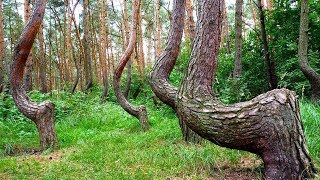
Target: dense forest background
77, 51
62, 47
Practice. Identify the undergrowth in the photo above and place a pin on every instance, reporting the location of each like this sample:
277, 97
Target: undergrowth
102, 141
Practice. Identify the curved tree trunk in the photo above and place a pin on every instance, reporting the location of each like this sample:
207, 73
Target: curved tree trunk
268, 125
159, 79
139, 112
41, 114
312, 76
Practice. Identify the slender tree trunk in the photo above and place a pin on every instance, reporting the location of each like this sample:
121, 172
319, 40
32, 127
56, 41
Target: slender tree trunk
159, 79
190, 24
2, 51
41, 114
271, 67
126, 41
253, 13
312, 76
140, 52
81, 49
42, 61
87, 46
269, 125
157, 29
238, 40
226, 31
29, 65
269, 5
103, 48
140, 111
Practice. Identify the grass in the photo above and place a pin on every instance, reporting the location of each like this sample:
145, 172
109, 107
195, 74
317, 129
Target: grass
101, 141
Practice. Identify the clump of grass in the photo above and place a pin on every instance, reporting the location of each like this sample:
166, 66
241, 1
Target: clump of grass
101, 141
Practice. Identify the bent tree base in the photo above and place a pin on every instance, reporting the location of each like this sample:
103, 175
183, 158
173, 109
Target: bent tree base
40, 113
268, 125
45, 125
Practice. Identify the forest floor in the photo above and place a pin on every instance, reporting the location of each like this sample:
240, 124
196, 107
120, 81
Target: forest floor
101, 141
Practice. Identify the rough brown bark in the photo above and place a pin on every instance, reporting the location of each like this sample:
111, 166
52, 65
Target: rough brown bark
2, 50
253, 13
103, 49
125, 36
139, 112
268, 125
226, 30
270, 64
29, 65
238, 40
312, 76
190, 24
42, 62
157, 32
87, 46
159, 79
40, 113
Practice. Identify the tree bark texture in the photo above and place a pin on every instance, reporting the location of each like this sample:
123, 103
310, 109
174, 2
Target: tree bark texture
103, 48
40, 113
159, 79
269, 125
312, 76
87, 46
42, 62
139, 112
238, 40
271, 67
190, 24
29, 65
126, 36
157, 29
2, 51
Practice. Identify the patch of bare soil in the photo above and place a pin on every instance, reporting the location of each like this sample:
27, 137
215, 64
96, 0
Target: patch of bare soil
53, 156
246, 169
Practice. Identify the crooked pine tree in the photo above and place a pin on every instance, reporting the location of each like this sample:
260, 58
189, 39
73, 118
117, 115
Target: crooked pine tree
269, 125
40, 113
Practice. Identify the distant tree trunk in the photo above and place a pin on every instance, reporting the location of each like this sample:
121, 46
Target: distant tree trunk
157, 29
42, 61
29, 65
312, 76
140, 111
159, 79
269, 5
190, 24
103, 49
238, 40
226, 31
271, 67
87, 46
40, 113
126, 42
2, 51
253, 13
269, 125
81, 49
140, 52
